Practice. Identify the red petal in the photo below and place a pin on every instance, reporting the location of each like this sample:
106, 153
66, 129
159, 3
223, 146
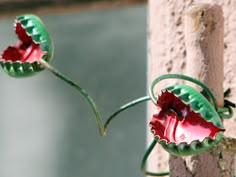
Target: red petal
21, 33
25, 50
11, 53
176, 122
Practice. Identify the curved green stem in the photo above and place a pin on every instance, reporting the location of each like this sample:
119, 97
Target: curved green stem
183, 77
124, 107
227, 112
81, 90
144, 161
102, 127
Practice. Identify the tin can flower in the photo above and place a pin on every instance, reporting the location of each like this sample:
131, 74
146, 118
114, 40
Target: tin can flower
185, 123
35, 44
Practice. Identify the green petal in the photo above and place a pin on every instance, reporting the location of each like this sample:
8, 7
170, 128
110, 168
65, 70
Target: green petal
198, 103
194, 148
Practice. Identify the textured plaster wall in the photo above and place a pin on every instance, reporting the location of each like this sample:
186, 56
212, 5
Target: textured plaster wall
167, 53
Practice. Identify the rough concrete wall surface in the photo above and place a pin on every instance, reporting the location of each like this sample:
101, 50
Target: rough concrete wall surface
167, 53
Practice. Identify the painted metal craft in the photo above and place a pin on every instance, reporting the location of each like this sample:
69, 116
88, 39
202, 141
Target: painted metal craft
186, 121
34, 44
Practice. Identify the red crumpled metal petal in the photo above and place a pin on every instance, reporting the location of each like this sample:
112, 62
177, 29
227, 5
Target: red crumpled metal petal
24, 50
174, 121
22, 35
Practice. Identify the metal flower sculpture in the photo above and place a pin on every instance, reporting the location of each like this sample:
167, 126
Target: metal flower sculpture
185, 123
34, 45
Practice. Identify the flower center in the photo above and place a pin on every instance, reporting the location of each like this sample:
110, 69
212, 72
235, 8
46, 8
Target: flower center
174, 121
25, 50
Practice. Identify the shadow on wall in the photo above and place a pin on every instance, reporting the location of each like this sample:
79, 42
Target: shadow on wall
47, 129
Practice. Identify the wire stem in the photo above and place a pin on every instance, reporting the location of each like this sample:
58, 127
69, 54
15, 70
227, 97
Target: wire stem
80, 89
102, 127
124, 107
144, 161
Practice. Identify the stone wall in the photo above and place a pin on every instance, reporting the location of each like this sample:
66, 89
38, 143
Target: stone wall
167, 52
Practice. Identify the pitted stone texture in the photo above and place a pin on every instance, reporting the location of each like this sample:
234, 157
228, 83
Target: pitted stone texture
167, 52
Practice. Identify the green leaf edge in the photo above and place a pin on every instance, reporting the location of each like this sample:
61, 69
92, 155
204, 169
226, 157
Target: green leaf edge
194, 148
197, 102
37, 30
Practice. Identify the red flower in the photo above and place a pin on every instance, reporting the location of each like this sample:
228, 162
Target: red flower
26, 50
181, 118
23, 58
